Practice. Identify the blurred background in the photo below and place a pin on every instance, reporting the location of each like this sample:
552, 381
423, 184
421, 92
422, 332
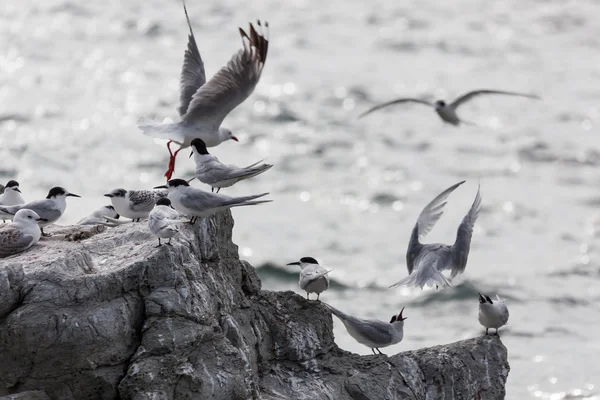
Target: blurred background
76, 75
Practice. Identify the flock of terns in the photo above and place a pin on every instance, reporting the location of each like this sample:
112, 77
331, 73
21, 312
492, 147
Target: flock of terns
203, 107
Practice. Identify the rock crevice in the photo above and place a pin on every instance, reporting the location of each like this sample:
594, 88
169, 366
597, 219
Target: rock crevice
103, 314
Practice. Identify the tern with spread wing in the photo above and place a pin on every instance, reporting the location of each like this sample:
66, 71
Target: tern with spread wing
426, 262
447, 111
204, 105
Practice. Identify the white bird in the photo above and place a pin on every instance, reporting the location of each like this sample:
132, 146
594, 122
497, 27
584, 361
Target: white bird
372, 333
204, 105
492, 315
425, 262
49, 209
198, 203
135, 204
447, 112
163, 220
99, 216
10, 197
23, 233
211, 171
313, 277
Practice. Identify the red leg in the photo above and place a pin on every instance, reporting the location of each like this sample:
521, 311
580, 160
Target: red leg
171, 161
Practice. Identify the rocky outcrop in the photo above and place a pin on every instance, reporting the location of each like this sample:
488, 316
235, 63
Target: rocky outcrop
95, 313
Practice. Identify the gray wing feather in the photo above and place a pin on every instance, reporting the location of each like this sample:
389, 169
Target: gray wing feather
200, 201
12, 241
193, 75
393, 102
144, 200
462, 245
229, 87
214, 171
433, 211
370, 328
468, 96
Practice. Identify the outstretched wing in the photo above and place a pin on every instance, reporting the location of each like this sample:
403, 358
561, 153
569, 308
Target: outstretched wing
393, 102
433, 211
468, 96
232, 84
192, 72
460, 250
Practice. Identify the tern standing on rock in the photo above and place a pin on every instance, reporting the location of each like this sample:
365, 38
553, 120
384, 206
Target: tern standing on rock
49, 209
313, 277
135, 204
23, 233
425, 262
211, 171
163, 220
11, 197
447, 112
198, 203
204, 105
492, 315
372, 332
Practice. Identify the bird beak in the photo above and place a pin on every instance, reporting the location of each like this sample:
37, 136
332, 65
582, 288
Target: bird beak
42, 219
17, 190
189, 180
191, 154
161, 187
234, 138
73, 195
294, 263
400, 318
481, 298
109, 195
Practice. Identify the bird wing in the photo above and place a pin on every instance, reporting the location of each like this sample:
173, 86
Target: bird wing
462, 245
45, 208
433, 211
199, 200
13, 241
193, 75
311, 274
375, 330
468, 96
232, 84
143, 200
391, 103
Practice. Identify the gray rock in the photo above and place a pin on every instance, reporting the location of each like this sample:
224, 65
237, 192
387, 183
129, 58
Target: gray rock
95, 313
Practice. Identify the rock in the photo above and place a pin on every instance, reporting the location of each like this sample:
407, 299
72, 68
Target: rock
104, 314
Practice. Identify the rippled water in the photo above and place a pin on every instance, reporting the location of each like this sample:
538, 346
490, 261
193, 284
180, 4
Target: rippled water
76, 75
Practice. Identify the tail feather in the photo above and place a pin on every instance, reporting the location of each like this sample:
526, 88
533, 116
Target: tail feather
336, 312
252, 203
158, 130
244, 199
420, 279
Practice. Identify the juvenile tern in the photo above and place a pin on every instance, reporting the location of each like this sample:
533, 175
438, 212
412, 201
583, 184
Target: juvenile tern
163, 220
447, 111
425, 262
198, 203
10, 197
98, 217
372, 332
23, 233
492, 315
204, 105
49, 209
134, 204
211, 171
313, 277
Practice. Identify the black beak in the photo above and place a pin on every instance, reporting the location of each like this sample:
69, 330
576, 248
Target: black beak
17, 190
400, 315
481, 298
73, 195
161, 187
191, 153
109, 195
294, 263
42, 219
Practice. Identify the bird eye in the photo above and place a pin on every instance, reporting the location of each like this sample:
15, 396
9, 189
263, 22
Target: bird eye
29, 216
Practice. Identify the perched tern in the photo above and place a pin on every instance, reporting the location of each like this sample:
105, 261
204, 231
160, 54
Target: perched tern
447, 111
49, 209
492, 315
372, 332
198, 203
211, 171
23, 233
313, 277
99, 216
163, 220
425, 262
135, 204
204, 105
10, 197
